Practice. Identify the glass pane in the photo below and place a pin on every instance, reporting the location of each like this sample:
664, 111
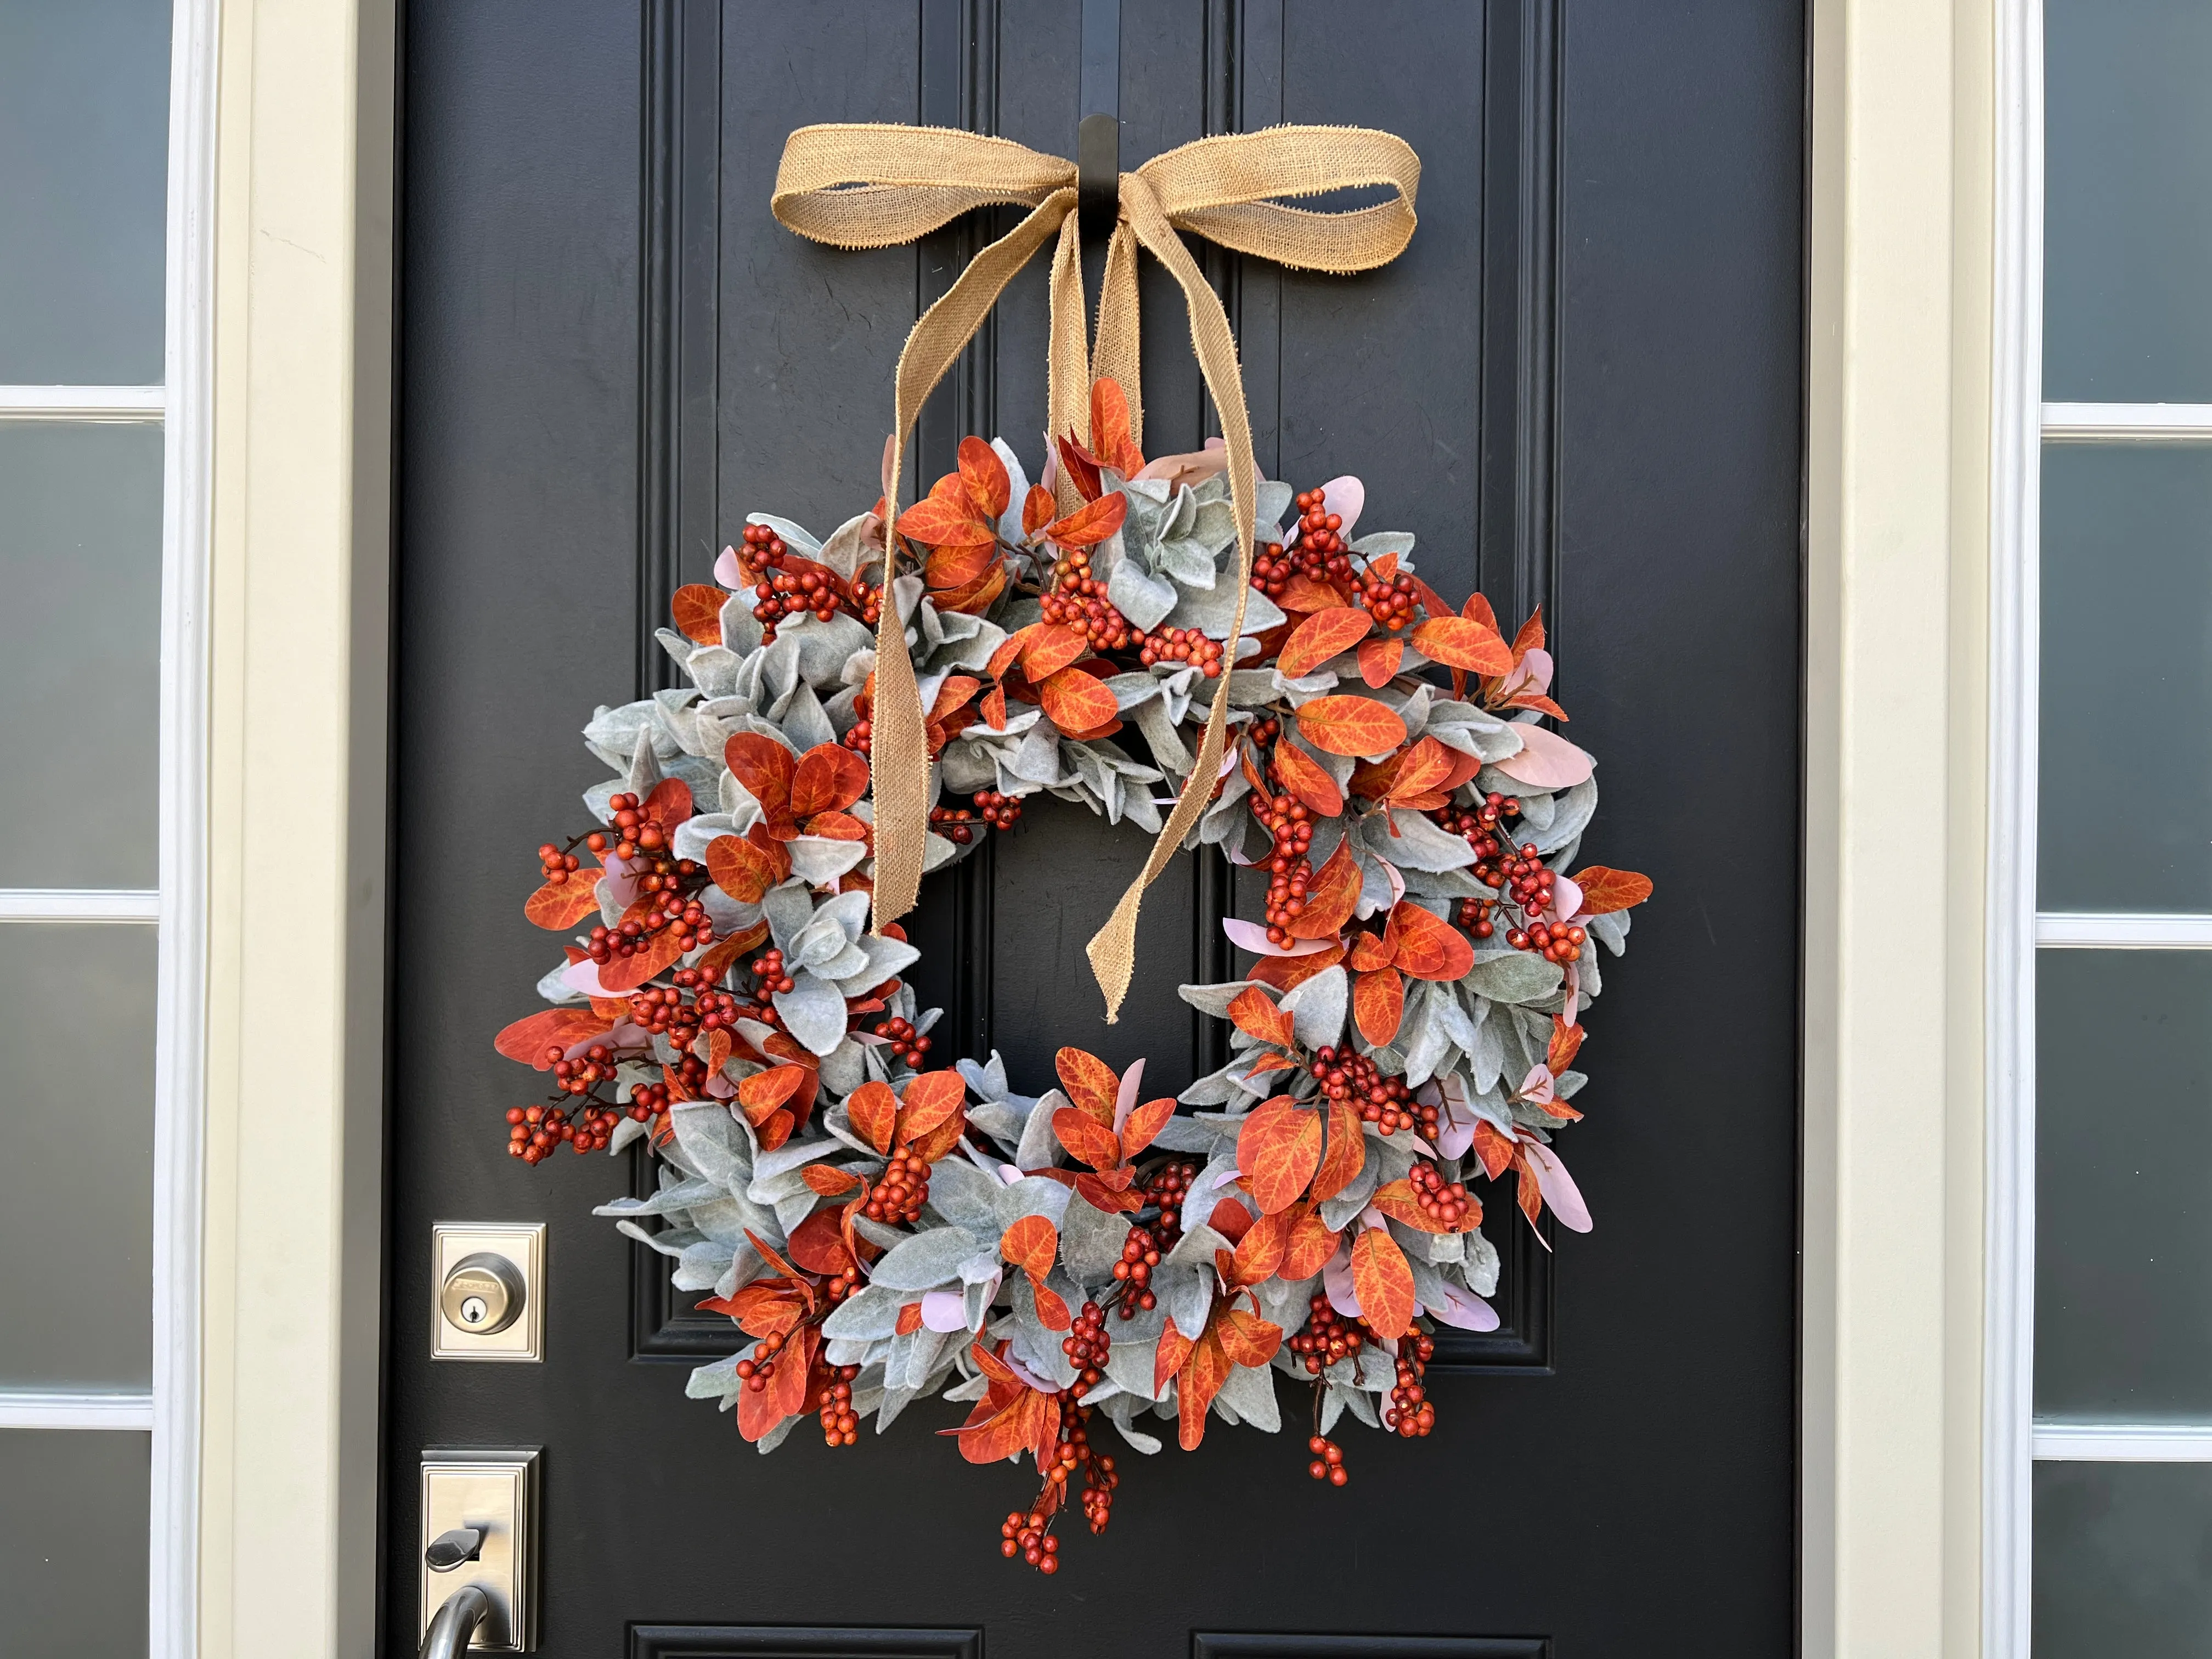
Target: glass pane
76, 1194
80, 564
73, 1542
2122, 1561
2126, 818
84, 117
2128, 203
2123, 1184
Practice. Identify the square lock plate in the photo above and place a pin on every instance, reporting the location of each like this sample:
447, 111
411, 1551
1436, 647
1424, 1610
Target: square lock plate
496, 1493
521, 1245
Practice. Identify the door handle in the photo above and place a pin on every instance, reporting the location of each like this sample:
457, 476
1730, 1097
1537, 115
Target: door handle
456, 1623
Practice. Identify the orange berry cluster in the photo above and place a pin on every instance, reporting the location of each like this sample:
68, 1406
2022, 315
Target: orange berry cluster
1346, 1074
1328, 1337
1411, 1411
839, 1425
903, 1191
1443, 1201
1189, 645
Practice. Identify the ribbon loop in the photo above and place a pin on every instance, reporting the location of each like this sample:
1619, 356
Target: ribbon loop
861, 185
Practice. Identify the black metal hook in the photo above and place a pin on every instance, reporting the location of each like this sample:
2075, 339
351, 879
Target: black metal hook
1099, 174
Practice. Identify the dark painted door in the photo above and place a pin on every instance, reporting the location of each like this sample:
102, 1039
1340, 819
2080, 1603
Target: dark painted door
1580, 385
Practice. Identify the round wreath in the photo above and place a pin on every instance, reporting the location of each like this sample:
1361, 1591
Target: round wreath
882, 1228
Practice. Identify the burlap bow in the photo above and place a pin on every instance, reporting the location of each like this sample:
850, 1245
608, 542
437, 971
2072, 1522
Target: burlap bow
866, 185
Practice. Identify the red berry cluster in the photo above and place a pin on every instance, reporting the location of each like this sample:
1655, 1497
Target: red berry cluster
768, 979
906, 1044
1346, 1074
1474, 916
839, 1425
1443, 1202
1148, 1242
661, 1010
955, 823
760, 1366
1024, 1535
903, 1191
777, 593
671, 883
1389, 599
580, 1077
648, 1100
1188, 645
629, 833
1529, 882
1411, 1411
533, 1132
1289, 823
1320, 555
1088, 1348
859, 736
557, 864
868, 600
1328, 1337
1328, 1460
999, 812
1078, 600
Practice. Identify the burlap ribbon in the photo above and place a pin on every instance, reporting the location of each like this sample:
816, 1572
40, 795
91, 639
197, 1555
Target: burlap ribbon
866, 185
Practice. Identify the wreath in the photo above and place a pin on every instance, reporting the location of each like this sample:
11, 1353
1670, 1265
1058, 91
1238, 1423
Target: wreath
880, 1226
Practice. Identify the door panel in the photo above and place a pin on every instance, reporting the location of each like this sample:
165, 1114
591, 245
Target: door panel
1579, 386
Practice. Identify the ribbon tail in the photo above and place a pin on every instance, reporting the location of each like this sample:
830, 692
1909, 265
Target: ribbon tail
1067, 357
1118, 357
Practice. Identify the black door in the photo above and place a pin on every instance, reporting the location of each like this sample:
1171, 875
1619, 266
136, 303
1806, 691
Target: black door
1580, 386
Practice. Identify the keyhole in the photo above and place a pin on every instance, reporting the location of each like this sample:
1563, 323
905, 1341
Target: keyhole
473, 1310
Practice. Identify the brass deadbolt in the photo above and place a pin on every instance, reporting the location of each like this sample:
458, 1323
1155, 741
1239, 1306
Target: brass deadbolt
482, 1294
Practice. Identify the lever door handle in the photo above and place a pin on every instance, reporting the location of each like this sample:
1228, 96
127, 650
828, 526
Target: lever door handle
449, 1550
456, 1623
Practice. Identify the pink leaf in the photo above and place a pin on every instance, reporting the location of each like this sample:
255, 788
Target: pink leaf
1535, 673
1566, 898
1125, 1100
1537, 1085
726, 572
1345, 497
1547, 760
1336, 1280
1250, 936
1465, 1309
1558, 1187
944, 1310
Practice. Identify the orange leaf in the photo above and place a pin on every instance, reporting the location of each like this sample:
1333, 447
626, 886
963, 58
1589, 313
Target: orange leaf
985, 476
1304, 593
950, 569
1091, 1083
1531, 636
1087, 1140
1427, 765
937, 521
1050, 648
995, 709
1144, 1123
817, 1246
669, 800
1349, 725
1383, 1282
1323, 636
1306, 779
1037, 508
1260, 1252
740, 869
760, 1411
1110, 428
1495, 1150
940, 1140
1396, 1199
1379, 660
766, 769
1331, 896
1246, 1338
1092, 523
1174, 1348
1200, 1380
1461, 643
931, 1099
909, 1319
1107, 1193
1078, 702
1278, 1150
1566, 1042
528, 1038
1479, 608
837, 826
1288, 972
565, 902
1378, 1005
1369, 953
1031, 1244
1051, 1308
1080, 468
1605, 892
1027, 1420
764, 1091
829, 778
1308, 1248
627, 972
1430, 947
1256, 1015
874, 1111
697, 610
1009, 648
828, 1180
1346, 1154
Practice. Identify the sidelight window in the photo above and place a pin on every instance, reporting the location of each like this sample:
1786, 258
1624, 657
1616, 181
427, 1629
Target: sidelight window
101, 552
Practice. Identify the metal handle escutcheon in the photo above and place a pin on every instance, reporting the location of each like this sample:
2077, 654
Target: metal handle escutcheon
455, 1622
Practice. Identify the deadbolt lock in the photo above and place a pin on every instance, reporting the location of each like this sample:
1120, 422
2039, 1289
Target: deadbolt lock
483, 1294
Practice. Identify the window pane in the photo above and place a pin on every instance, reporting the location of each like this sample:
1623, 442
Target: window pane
73, 1542
80, 564
2124, 1185
84, 115
2123, 1560
2128, 203
77, 1187
2126, 818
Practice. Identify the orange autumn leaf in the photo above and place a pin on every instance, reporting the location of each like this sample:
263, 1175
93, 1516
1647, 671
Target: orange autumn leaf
1430, 947
740, 869
1308, 1248
1331, 896
874, 1111
1092, 523
957, 570
1260, 1252
817, 1245
1049, 649
1037, 508
1379, 660
941, 1140
931, 1100
1323, 635
1461, 643
1478, 608
1167, 1359
1288, 972
1254, 1013
829, 778
1531, 636
1078, 702
1425, 767
985, 476
942, 521
627, 972
1344, 1156
1605, 892
1496, 1152
760, 1411
1278, 1150
1145, 1124
1030, 1422
1378, 1005
696, 609
563, 903
1371, 951
764, 1091
527, 1039
1306, 778
1382, 1281
1302, 594
1397, 1200
766, 769
1200, 1380
1351, 726
1111, 440
1031, 1244
1087, 1140
1246, 1338
909, 1319
828, 1180
1091, 1083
